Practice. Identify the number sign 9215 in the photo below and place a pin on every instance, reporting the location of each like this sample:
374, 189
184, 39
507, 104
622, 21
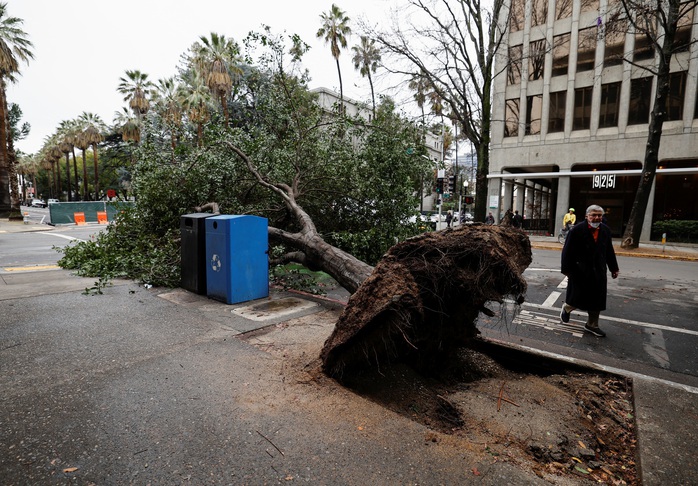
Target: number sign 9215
604, 181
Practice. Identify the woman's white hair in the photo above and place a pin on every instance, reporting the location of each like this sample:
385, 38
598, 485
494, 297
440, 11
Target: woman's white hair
595, 208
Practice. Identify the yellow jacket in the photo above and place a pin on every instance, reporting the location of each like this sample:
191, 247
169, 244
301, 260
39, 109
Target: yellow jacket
569, 218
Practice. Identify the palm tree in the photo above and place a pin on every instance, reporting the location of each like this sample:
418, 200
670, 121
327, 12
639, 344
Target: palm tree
217, 59
128, 125
52, 153
167, 104
335, 30
196, 101
419, 85
366, 59
135, 87
91, 135
68, 131
14, 47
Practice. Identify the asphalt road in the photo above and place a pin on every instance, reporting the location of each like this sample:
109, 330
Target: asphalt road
651, 318
36, 248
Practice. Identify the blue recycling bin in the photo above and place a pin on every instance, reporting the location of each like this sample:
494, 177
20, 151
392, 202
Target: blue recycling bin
237, 258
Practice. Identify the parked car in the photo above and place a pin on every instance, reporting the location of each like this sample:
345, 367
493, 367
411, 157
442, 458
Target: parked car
466, 218
51, 201
424, 219
38, 203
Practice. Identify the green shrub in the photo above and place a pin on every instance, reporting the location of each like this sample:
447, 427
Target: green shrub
127, 250
678, 231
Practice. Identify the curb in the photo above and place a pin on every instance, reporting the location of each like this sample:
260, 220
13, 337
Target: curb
620, 252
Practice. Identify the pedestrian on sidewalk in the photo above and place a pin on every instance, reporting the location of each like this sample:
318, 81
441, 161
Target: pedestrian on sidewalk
517, 220
588, 251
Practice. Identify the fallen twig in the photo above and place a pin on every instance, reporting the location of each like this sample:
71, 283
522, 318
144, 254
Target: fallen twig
265, 438
501, 398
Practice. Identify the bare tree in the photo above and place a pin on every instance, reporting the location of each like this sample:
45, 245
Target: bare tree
451, 47
656, 24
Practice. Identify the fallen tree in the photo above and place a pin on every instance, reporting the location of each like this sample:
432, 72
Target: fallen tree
423, 298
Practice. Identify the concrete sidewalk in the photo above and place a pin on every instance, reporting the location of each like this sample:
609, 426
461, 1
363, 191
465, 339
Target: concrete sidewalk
162, 386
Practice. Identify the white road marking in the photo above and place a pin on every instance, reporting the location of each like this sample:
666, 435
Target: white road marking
630, 322
71, 238
552, 298
527, 318
655, 347
563, 284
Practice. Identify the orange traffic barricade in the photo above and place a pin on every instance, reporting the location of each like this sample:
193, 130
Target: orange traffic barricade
79, 218
102, 217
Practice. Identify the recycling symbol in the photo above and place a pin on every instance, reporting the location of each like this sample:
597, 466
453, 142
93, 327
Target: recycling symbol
216, 263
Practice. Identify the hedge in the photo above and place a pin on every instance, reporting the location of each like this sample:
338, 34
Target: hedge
677, 231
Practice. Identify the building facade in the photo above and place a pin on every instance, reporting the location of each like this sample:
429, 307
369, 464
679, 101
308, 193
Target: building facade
570, 116
329, 100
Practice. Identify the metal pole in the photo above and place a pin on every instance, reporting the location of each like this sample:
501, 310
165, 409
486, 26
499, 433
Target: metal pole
456, 185
438, 223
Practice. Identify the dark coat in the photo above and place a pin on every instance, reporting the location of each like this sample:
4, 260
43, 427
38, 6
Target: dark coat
584, 262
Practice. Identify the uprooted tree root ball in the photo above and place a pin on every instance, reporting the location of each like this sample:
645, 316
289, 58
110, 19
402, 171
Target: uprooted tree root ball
422, 301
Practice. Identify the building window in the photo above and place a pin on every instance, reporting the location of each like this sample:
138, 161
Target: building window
536, 59
644, 48
514, 68
615, 43
534, 111
561, 54
511, 122
677, 91
640, 101
589, 5
610, 100
682, 39
516, 15
582, 108
563, 9
586, 52
556, 118
539, 12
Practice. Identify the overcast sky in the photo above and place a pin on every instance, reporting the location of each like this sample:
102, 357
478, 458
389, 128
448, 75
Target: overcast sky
82, 48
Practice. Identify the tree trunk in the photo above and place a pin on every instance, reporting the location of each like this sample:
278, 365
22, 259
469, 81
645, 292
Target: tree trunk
317, 254
56, 168
631, 236
75, 168
84, 174
5, 202
373, 94
67, 171
341, 88
94, 159
15, 210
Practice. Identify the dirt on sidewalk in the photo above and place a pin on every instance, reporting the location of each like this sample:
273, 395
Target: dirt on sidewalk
568, 426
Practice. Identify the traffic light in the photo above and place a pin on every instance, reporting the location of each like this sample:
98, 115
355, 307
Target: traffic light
439, 185
469, 199
452, 184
